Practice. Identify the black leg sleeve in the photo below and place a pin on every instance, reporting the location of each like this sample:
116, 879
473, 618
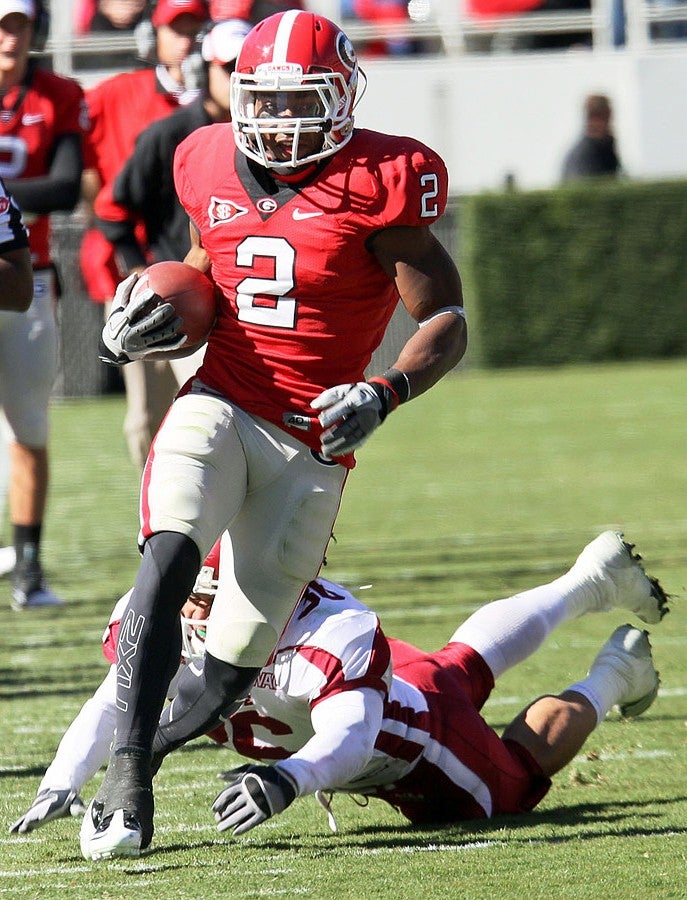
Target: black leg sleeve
205, 696
149, 645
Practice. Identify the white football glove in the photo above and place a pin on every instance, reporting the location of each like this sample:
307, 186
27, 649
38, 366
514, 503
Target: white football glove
47, 806
353, 411
255, 794
136, 328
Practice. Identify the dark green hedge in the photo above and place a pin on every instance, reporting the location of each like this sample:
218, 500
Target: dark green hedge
585, 273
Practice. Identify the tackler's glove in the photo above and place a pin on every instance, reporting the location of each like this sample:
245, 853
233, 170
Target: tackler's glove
254, 794
351, 412
47, 806
139, 326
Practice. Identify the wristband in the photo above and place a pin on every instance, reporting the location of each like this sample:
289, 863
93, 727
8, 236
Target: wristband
392, 388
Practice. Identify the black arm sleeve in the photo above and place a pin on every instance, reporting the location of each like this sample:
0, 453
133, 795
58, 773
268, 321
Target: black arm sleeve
129, 253
136, 187
138, 183
60, 188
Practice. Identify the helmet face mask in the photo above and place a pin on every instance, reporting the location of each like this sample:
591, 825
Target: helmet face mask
193, 631
293, 91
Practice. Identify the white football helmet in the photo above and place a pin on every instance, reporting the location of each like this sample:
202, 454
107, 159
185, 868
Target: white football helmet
301, 64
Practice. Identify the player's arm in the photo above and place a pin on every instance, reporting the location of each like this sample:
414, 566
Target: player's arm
197, 255
430, 289
83, 749
429, 286
60, 188
16, 280
346, 726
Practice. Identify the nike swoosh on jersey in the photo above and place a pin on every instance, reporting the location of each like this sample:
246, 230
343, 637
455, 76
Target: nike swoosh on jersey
32, 118
299, 214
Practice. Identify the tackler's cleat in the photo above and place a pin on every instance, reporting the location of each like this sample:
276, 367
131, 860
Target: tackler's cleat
610, 563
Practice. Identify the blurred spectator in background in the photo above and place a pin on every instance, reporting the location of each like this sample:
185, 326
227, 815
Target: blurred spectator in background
379, 12
7, 556
669, 31
120, 108
494, 9
252, 11
107, 15
41, 125
391, 12
563, 40
16, 292
145, 186
594, 154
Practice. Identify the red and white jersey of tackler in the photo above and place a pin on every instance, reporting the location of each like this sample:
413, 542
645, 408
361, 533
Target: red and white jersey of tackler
333, 643
111, 633
305, 303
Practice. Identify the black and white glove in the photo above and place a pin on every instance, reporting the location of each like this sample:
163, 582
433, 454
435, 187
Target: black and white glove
254, 794
47, 806
135, 328
351, 412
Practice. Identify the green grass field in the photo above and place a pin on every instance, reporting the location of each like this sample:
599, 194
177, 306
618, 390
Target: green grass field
491, 483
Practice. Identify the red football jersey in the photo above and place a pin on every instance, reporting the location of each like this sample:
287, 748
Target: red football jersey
305, 303
120, 108
34, 116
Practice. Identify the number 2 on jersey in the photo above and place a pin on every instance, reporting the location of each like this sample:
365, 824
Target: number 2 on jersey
280, 313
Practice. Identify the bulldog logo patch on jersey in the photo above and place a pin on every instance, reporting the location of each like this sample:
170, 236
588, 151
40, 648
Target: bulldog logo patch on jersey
221, 212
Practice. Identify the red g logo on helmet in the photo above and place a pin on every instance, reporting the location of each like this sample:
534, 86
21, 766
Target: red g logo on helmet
346, 52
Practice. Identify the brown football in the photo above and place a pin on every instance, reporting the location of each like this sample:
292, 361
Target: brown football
191, 294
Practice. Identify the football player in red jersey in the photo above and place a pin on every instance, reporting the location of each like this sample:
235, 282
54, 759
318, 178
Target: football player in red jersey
41, 124
120, 108
312, 230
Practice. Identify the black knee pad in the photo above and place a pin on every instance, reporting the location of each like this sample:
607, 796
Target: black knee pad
226, 682
203, 700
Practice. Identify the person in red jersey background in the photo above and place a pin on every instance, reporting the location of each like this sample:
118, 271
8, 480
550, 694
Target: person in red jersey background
145, 185
16, 292
42, 118
120, 108
312, 231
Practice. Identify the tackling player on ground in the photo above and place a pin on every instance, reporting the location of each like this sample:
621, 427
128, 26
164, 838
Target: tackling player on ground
328, 710
312, 230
